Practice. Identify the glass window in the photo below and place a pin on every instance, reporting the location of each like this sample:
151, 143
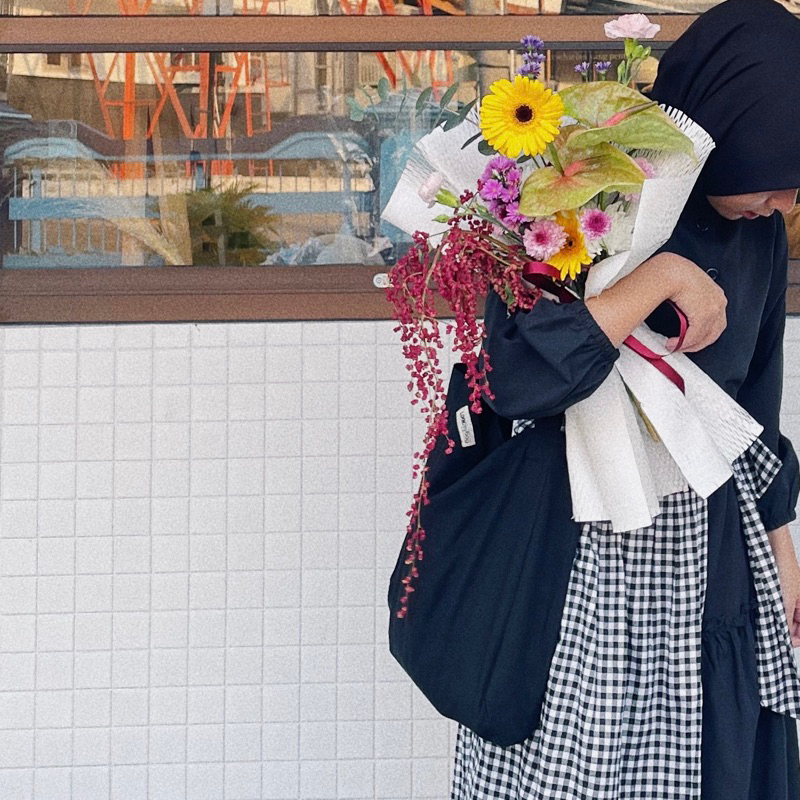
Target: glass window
345, 7
237, 158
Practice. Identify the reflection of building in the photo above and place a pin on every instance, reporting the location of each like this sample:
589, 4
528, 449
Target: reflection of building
71, 205
152, 125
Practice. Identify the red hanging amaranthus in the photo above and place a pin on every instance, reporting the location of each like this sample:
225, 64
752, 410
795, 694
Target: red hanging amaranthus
460, 270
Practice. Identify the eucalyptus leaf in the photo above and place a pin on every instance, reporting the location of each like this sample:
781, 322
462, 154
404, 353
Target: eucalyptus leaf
606, 168
484, 148
451, 121
462, 113
472, 139
424, 97
448, 96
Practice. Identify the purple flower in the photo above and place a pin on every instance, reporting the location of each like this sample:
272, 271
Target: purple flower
508, 194
531, 42
514, 175
543, 239
512, 214
497, 208
501, 164
582, 68
528, 70
491, 189
602, 67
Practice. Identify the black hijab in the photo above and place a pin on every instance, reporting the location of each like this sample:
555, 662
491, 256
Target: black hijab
736, 72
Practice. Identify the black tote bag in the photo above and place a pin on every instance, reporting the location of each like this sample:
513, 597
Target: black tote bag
484, 617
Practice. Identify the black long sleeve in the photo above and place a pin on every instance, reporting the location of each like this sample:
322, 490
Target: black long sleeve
546, 359
760, 394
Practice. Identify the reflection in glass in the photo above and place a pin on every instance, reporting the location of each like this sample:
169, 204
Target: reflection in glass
250, 159
348, 7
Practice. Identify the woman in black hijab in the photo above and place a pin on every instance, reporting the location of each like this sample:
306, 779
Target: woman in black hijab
736, 72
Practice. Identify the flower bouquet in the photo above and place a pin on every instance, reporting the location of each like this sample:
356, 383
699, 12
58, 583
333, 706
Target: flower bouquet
561, 194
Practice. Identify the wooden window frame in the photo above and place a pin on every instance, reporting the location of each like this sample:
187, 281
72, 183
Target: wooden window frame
172, 294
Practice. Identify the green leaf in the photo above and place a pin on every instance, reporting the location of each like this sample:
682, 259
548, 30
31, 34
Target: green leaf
441, 218
471, 140
462, 112
607, 109
448, 96
485, 148
630, 45
451, 121
603, 168
383, 88
423, 98
446, 198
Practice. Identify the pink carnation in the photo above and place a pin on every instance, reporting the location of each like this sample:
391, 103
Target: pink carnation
631, 26
430, 188
595, 223
543, 239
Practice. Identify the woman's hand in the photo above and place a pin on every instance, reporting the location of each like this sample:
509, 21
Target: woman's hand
789, 575
702, 300
665, 276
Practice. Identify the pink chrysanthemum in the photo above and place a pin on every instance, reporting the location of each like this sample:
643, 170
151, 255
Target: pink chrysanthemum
595, 223
543, 239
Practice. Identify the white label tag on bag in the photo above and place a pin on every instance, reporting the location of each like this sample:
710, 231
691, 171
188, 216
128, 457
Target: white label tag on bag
465, 430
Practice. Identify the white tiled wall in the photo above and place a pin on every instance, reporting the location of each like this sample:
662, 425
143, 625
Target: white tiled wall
197, 527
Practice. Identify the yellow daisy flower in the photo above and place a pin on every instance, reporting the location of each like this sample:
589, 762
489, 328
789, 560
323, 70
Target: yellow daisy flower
520, 117
573, 255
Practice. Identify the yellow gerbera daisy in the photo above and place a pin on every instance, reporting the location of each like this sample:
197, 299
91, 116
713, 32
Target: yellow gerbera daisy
573, 255
520, 117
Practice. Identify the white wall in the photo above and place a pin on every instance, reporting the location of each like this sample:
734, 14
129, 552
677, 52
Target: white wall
197, 527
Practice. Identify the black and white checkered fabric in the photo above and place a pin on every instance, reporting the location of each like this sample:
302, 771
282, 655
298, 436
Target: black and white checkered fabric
622, 713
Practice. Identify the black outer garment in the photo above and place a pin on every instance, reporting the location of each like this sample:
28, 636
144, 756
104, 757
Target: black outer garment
736, 71
553, 356
549, 358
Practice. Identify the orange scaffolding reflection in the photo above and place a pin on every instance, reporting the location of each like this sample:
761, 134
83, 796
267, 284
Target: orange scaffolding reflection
439, 81
253, 75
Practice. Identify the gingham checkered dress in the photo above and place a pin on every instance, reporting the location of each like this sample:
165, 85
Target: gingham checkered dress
622, 712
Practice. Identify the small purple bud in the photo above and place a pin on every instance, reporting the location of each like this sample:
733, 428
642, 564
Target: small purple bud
531, 42
582, 68
528, 70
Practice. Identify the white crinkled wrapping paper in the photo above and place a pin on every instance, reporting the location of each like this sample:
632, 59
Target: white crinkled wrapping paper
617, 471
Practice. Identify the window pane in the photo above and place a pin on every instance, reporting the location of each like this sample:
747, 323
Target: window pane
355, 7
246, 159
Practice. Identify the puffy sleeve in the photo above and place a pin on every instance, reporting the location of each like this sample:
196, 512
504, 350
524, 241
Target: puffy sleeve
546, 359
760, 395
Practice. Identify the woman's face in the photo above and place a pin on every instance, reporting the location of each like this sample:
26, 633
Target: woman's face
755, 204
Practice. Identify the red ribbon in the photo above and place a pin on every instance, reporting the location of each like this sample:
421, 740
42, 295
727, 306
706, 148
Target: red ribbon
544, 275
